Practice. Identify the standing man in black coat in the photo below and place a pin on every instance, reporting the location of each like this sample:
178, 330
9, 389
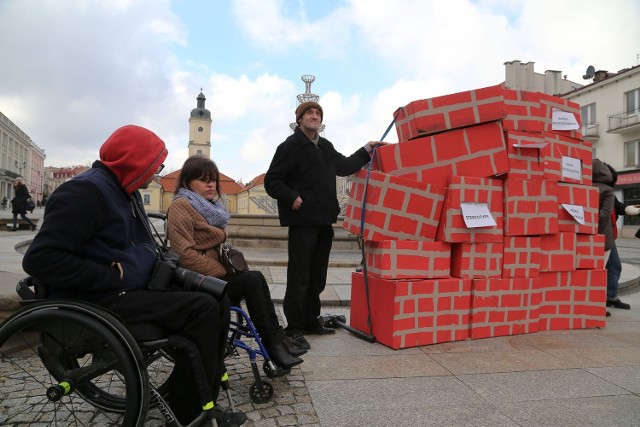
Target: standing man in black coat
302, 178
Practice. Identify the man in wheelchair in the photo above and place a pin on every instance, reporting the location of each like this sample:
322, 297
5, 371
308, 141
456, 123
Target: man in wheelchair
95, 246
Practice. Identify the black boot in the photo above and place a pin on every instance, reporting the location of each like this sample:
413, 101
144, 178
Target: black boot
292, 349
275, 346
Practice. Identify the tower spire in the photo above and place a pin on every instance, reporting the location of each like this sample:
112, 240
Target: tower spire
306, 97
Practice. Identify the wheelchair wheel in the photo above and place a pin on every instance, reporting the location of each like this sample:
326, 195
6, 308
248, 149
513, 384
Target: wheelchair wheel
69, 364
261, 393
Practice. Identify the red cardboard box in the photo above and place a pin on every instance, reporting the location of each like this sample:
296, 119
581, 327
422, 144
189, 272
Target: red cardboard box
408, 259
573, 300
561, 148
521, 257
459, 110
584, 196
558, 252
548, 103
396, 208
411, 313
589, 251
504, 307
453, 228
524, 150
530, 207
477, 151
476, 260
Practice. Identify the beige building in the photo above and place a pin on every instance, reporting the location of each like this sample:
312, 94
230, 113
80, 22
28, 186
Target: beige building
19, 156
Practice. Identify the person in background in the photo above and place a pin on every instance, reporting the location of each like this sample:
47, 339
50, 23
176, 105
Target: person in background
603, 179
19, 203
302, 178
196, 223
4, 203
614, 265
94, 246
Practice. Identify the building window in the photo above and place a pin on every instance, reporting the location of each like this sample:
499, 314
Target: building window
588, 115
631, 153
146, 199
632, 99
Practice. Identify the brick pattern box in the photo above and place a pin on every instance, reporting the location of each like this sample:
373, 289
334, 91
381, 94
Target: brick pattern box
477, 151
476, 260
521, 257
585, 196
407, 259
396, 208
513, 108
504, 307
548, 103
573, 299
524, 150
530, 207
464, 189
558, 252
559, 147
589, 251
412, 313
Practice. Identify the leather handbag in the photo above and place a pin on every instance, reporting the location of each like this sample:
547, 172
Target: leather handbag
232, 259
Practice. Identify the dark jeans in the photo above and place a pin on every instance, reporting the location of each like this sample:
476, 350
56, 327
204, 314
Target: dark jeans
195, 316
309, 248
23, 216
253, 287
614, 269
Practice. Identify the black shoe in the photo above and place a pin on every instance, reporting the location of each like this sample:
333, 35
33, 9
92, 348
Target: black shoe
33, 227
277, 349
618, 304
13, 229
319, 330
292, 349
607, 314
299, 341
226, 418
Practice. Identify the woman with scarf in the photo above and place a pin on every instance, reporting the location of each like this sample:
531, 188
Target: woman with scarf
197, 219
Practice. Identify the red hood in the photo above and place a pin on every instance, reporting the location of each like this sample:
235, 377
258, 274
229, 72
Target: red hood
133, 154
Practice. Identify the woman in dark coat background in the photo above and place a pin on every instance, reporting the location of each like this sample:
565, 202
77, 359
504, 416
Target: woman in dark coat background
19, 203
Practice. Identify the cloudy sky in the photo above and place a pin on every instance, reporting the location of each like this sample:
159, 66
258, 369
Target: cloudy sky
72, 71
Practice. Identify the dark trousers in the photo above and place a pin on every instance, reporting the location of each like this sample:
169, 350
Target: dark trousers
309, 248
23, 216
253, 287
614, 269
198, 317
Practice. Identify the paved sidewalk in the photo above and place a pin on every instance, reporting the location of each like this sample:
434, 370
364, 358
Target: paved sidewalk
564, 378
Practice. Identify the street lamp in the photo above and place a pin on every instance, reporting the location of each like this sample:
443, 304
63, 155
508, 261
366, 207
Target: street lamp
20, 166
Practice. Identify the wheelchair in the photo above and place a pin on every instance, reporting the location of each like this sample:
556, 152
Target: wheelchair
74, 363
242, 334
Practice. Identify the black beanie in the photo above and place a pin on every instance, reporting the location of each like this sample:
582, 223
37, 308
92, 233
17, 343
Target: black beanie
302, 108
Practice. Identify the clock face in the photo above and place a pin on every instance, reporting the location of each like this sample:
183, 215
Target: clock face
200, 129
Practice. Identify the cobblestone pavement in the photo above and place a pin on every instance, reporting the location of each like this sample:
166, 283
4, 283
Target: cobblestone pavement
290, 405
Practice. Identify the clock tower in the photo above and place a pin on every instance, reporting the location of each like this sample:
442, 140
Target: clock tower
200, 129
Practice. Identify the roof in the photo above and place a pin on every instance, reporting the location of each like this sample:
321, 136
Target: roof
227, 185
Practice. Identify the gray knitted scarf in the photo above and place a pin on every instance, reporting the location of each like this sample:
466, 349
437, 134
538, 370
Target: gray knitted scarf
213, 211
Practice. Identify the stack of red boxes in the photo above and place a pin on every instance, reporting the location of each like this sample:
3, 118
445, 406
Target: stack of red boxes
480, 222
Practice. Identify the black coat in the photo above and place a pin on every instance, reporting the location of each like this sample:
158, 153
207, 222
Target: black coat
299, 168
19, 202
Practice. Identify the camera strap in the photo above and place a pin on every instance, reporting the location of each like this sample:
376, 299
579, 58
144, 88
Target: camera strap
160, 248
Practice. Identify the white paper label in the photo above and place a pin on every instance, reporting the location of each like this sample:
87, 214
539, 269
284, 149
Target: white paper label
571, 168
477, 215
531, 144
577, 212
563, 120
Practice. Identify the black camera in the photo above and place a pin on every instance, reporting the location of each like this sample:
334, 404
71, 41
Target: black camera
167, 273
195, 282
